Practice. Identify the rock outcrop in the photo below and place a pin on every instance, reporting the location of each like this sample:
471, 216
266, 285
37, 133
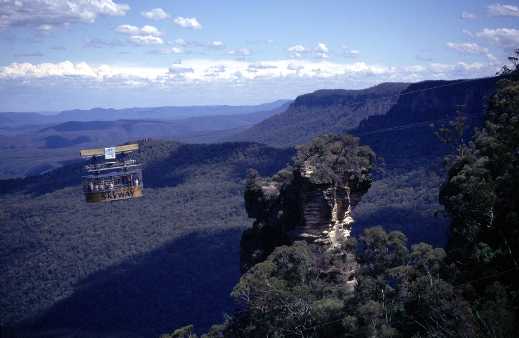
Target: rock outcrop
312, 200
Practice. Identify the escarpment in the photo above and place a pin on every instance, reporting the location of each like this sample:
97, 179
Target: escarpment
321, 112
311, 200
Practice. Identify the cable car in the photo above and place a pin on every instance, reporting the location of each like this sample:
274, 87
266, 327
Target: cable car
112, 174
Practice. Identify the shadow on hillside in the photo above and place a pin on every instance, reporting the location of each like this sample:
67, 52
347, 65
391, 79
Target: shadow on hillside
231, 158
186, 281
415, 225
63, 177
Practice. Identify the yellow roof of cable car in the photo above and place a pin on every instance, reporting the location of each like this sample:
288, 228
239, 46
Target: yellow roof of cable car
101, 151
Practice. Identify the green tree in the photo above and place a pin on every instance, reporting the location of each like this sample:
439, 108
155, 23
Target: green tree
453, 134
481, 196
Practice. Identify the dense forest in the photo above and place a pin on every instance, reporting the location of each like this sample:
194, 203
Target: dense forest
469, 289
130, 267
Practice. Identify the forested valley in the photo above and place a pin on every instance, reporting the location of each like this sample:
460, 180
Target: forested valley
467, 289
432, 247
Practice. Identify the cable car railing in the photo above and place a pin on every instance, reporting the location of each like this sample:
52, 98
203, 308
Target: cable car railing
106, 166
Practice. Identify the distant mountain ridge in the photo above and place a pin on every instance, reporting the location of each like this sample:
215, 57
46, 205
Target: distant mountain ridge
182, 129
34, 149
156, 113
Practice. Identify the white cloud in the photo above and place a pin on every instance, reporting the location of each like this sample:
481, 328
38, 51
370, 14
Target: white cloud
472, 48
256, 67
156, 14
492, 58
179, 69
467, 32
321, 47
128, 29
134, 30
193, 81
505, 37
195, 69
468, 16
146, 40
503, 10
217, 45
322, 50
173, 50
212, 45
56, 12
217, 69
240, 52
62, 69
467, 47
204, 72
45, 28
295, 67
181, 42
146, 35
187, 22
350, 53
150, 30
321, 55
298, 51
415, 69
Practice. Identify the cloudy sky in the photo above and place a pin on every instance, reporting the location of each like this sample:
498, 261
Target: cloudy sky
64, 54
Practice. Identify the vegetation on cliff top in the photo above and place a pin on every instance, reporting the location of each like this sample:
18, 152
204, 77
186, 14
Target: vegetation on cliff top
276, 203
470, 290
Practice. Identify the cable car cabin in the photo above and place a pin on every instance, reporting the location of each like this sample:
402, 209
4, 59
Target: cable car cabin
112, 174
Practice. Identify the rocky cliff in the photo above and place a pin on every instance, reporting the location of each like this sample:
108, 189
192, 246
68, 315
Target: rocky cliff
392, 118
322, 112
406, 132
311, 200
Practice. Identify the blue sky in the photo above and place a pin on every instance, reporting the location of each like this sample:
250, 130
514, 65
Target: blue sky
59, 54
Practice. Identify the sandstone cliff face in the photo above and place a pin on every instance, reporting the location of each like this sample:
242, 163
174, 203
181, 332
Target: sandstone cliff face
321, 112
406, 131
310, 201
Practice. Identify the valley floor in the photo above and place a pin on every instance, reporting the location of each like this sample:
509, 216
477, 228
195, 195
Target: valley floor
70, 266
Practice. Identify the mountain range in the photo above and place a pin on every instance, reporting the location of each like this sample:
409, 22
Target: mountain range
8, 119
141, 253
27, 148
